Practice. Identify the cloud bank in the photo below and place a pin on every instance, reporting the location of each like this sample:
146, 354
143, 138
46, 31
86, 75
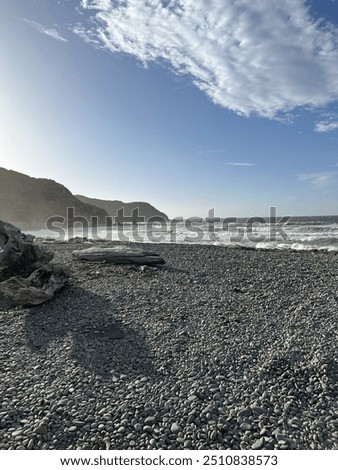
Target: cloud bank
254, 57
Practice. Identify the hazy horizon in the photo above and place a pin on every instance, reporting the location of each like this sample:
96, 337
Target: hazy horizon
235, 111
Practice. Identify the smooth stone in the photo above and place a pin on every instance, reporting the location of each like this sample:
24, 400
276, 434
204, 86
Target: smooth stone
30, 444
258, 410
213, 435
187, 443
41, 429
90, 419
258, 444
150, 420
263, 431
245, 427
192, 398
245, 413
78, 423
175, 428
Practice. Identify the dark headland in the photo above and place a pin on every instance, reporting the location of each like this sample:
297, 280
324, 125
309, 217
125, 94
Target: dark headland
28, 203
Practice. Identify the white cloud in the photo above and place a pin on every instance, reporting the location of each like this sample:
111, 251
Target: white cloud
258, 57
326, 126
51, 32
54, 34
319, 180
240, 164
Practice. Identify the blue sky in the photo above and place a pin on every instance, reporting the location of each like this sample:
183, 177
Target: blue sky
189, 105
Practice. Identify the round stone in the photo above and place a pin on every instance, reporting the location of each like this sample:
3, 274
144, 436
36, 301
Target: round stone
258, 444
41, 429
150, 420
175, 428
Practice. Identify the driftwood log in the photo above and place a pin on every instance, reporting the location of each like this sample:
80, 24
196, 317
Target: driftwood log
19, 256
26, 277
39, 287
118, 255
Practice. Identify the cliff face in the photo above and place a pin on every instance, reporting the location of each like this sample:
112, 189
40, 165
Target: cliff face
28, 202
145, 209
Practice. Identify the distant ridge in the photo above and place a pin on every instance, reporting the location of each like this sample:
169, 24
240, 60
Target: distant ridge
146, 210
28, 202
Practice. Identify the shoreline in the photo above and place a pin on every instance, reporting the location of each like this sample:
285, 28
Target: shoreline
222, 348
319, 234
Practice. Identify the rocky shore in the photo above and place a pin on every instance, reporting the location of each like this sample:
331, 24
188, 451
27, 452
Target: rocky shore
218, 349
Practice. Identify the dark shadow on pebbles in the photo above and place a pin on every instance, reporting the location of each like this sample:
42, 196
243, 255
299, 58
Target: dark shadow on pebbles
101, 344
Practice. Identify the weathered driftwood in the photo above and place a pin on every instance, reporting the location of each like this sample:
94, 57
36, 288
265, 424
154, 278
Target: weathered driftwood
39, 287
118, 255
26, 277
18, 254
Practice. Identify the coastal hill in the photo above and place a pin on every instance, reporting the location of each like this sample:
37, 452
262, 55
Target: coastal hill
146, 210
28, 202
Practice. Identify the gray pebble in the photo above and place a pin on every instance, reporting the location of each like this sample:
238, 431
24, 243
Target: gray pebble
41, 429
244, 413
30, 444
175, 428
258, 444
258, 410
245, 427
150, 420
148, 429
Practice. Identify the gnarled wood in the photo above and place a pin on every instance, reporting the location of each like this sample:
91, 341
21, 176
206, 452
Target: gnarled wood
118, 255
26, 277
18, 254
39, 287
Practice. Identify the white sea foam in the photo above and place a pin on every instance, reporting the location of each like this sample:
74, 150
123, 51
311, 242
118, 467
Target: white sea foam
316, 234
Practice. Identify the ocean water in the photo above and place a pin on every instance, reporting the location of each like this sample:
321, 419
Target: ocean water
318, 233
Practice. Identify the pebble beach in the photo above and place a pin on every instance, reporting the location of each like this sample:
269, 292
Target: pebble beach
220, 348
